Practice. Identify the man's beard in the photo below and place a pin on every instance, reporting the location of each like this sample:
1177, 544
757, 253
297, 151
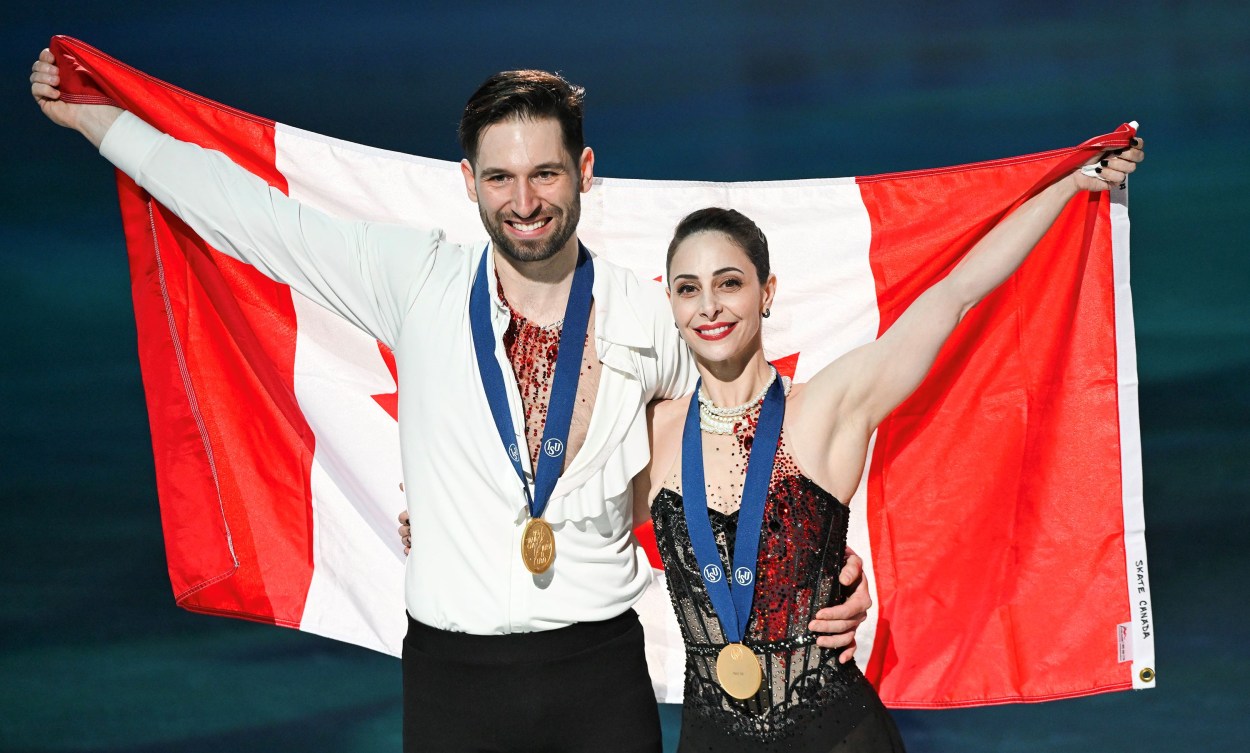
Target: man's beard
541, 250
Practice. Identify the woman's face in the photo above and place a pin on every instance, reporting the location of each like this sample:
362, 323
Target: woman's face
717, 297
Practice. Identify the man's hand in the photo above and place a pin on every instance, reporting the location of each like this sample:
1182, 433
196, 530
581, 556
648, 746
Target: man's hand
838, 623
92, 121
405, 531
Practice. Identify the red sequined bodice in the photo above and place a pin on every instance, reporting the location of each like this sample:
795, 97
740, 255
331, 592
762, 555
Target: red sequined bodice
802, 548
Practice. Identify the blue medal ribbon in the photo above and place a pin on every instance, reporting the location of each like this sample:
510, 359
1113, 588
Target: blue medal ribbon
563, 383
731, 596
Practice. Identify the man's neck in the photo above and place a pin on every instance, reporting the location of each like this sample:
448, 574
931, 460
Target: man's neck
538, 290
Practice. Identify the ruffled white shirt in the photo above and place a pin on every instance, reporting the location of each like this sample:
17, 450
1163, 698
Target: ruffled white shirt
409, 288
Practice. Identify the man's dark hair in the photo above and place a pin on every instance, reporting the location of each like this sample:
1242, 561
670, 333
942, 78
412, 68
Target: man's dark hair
744, 233
527, 95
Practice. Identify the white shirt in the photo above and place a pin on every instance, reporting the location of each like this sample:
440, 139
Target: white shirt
409, 288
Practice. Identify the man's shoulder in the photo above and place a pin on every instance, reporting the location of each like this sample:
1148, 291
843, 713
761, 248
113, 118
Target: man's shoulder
624, 287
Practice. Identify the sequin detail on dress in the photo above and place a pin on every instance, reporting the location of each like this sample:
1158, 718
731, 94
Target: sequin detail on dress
806, 691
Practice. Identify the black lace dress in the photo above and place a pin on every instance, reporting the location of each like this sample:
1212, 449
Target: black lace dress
807, 700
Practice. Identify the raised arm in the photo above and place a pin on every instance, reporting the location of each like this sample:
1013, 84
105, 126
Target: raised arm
365, 272
92, 121
846, 400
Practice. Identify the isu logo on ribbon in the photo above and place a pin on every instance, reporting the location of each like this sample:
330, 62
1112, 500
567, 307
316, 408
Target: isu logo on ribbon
514, 452
553, 447
712, 573
744, 576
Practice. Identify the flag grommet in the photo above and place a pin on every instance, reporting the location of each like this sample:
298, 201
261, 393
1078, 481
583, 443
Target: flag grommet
1147, 675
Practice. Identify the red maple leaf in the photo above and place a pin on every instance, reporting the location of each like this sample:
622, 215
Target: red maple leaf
786, 365
389, 403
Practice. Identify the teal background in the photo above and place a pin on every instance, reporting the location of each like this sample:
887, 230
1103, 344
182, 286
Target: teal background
93, 654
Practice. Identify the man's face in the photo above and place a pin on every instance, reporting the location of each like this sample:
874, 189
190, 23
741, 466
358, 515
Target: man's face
528, 187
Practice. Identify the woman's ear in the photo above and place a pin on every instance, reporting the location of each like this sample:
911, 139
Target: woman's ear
770, 290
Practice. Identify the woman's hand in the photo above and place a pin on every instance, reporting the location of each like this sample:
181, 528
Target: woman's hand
1111, 169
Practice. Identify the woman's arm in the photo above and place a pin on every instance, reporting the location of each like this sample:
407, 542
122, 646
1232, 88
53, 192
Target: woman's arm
855, 393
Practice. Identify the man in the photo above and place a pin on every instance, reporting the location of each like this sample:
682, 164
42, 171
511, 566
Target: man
517, 459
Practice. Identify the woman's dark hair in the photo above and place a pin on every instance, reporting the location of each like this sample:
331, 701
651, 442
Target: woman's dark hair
741, 230
528, 95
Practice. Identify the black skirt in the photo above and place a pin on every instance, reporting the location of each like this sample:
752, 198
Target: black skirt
856, 723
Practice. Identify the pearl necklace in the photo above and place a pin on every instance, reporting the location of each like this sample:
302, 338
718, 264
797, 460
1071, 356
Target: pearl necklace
714, 420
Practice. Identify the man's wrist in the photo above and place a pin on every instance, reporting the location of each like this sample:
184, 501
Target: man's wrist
95, 120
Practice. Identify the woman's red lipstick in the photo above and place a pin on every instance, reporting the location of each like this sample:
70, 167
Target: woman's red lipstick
719, 331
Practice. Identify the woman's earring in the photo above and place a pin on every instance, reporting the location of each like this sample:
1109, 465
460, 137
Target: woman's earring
767, 312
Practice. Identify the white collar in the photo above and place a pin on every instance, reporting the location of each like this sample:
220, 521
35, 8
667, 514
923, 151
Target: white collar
611, 294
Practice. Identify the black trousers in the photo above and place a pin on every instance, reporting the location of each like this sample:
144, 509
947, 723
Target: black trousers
580, 688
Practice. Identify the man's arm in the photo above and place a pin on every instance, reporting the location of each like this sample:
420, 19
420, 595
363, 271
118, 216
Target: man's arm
837, 625
92, 121
366, 272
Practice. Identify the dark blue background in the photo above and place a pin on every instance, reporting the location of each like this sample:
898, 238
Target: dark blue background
93, 654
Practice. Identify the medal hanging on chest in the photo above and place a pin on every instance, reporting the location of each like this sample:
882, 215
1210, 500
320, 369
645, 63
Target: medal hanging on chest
538, 542
737, 667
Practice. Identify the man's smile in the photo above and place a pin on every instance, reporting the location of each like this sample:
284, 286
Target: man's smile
527, 228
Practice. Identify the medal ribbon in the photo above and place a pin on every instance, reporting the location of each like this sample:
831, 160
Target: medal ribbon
563, 383
731, 596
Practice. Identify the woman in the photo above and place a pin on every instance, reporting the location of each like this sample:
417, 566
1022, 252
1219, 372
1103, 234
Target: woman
755, 680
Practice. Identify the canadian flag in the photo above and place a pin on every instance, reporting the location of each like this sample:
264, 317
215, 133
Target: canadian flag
1000, 518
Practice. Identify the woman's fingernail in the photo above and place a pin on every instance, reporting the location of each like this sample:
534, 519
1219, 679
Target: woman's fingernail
1098, 169
1103, 163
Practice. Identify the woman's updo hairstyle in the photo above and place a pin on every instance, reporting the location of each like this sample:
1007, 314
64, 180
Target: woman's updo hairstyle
737, 226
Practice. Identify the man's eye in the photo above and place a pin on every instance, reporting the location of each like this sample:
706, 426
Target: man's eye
496, 179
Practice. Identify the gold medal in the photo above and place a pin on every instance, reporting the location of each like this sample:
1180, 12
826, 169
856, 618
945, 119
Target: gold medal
738, 670
538, 546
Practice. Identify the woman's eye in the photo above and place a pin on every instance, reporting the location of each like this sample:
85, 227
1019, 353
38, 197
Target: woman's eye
732, 282
685, 289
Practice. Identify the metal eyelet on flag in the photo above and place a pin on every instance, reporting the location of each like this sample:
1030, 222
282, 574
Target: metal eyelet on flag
1147, 675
